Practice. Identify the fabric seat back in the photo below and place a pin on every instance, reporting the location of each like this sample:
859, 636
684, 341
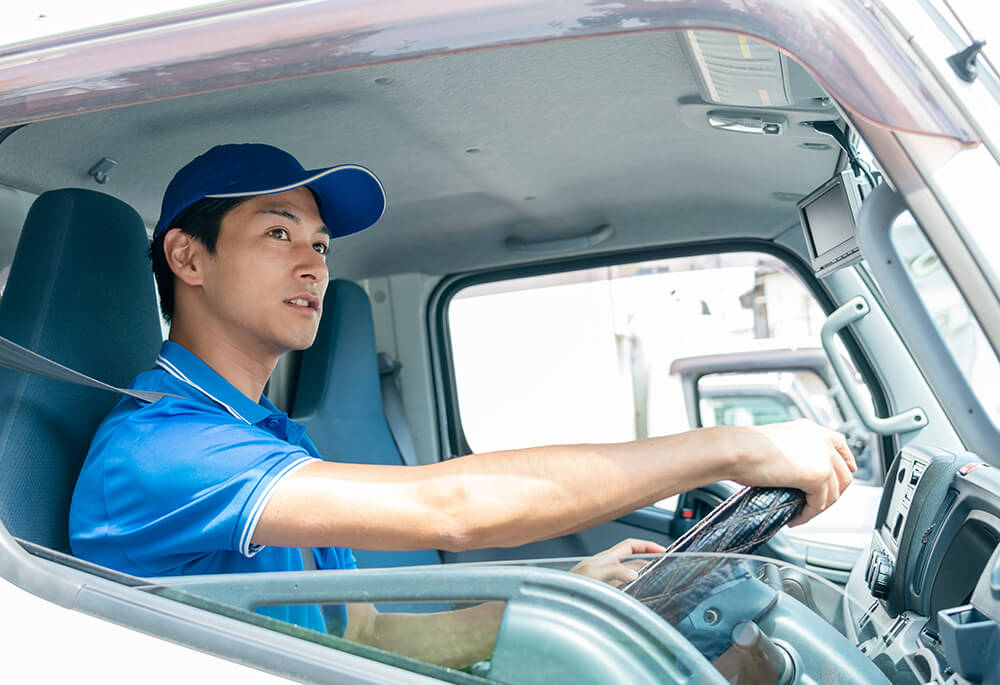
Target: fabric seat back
339, 399
80, 292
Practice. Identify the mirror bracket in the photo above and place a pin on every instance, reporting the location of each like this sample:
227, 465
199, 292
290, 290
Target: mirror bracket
904, 422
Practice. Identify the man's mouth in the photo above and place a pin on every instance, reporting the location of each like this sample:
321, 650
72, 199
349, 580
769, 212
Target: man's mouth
305, 302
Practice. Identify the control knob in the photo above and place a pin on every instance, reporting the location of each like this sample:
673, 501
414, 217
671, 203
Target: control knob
879, 574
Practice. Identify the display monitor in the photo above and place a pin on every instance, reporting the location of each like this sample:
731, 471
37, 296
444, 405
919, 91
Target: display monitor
829, 215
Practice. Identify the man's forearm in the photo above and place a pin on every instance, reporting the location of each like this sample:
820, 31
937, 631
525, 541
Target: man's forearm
485, 500
509, 498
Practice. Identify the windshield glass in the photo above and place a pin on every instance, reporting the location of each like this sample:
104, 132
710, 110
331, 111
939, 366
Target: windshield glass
950, 313
752, 619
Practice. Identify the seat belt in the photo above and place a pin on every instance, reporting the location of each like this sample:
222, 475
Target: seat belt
17, 358
308, 560
392, 406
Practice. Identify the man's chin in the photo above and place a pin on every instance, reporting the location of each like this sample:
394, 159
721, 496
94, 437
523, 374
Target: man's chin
303, 342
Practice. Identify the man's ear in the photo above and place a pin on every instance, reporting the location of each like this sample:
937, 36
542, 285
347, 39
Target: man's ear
184, 255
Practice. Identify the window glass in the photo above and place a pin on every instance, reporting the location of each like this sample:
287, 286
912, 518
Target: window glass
624, 352
762, 397
441, 646
452, 648
951, 315
596, 354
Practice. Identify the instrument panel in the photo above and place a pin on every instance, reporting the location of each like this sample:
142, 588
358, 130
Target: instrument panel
933, 554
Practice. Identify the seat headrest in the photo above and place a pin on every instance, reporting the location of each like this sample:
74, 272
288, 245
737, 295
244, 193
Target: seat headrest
80, 292
339, 376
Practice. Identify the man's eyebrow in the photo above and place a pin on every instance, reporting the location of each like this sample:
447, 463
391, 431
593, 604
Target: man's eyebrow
280, 211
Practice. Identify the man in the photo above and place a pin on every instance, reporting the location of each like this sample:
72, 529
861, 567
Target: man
215, 479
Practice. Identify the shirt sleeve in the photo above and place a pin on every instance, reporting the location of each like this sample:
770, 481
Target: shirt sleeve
180, 489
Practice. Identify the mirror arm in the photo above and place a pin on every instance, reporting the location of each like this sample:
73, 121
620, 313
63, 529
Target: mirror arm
904, 422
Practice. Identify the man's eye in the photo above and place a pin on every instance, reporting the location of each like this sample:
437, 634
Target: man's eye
322, 248
279, 233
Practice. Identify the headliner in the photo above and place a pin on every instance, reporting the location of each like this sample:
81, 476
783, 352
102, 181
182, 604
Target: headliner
606, 130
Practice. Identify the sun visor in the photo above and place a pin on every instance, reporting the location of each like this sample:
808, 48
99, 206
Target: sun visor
732, 69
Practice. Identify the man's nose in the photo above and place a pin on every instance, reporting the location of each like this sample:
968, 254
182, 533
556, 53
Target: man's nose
312, 265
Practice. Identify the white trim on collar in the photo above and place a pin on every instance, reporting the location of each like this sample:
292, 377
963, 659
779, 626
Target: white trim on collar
169, 367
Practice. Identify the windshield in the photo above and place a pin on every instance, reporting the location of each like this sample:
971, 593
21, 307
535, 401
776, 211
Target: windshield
752, 619
950, 313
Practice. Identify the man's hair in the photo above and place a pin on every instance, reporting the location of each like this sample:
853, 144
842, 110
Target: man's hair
201, 221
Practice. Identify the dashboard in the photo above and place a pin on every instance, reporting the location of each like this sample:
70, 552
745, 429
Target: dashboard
927, 599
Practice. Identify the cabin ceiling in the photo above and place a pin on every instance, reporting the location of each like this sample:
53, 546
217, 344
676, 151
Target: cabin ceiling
539, 142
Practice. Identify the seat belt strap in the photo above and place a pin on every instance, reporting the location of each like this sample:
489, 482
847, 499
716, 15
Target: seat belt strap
17, 358
308, 560
392, 406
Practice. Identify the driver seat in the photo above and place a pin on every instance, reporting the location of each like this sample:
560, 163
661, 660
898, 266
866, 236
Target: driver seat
80, 292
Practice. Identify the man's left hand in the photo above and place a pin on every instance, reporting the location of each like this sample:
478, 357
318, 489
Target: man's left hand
609, 566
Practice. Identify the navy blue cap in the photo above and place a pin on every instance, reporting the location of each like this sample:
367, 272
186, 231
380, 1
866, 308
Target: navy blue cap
349, 196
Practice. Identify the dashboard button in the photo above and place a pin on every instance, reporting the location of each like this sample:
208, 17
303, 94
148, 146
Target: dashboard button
879, 574
882, 580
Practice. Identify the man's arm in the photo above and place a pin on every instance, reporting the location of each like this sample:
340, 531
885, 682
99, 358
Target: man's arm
503, 499
448, 638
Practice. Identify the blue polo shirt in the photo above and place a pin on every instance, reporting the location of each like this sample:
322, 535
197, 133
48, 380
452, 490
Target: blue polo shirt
177, 486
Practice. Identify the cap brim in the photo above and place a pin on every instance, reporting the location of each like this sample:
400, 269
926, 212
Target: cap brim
351, 197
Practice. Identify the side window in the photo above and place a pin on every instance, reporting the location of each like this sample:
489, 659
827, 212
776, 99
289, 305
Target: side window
640, 350
607, 354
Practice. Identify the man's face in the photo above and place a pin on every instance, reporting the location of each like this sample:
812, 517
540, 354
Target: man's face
268, 276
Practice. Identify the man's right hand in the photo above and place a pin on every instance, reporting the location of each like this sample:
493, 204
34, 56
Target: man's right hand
797, 454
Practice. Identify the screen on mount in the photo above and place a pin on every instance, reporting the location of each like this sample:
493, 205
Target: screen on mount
828, 216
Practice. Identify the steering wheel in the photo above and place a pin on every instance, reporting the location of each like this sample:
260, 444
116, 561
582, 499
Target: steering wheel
672, 585
739, 620
743, 522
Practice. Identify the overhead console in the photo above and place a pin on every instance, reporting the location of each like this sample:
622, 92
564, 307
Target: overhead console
929, 572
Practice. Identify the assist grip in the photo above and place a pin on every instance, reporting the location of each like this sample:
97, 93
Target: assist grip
904, 422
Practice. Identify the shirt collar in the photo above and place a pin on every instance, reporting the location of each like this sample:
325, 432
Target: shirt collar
186, 367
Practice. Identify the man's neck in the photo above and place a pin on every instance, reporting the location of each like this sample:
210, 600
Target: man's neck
246, 369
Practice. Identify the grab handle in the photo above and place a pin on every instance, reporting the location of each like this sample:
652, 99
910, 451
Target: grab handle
904, 422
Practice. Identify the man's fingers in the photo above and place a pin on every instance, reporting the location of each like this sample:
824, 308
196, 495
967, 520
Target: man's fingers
633, 546
625, 574
816, 501
647, 547
844, 476
840, 444
636, 564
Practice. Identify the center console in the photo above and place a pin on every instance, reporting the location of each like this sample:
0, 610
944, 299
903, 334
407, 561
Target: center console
929, 571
